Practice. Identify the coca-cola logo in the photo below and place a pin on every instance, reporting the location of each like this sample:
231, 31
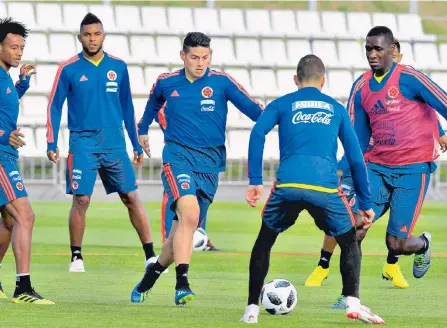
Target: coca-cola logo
319, 117
385, 139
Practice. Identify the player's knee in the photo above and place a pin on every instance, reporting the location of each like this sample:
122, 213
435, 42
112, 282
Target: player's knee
395, 244
81, 202
129, 199
188, 211
361, 234
25, 217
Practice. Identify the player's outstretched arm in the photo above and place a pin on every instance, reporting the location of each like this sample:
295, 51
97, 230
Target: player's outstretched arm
354, 156
242, 100
256, 150
54, 112
22, 85
153, 106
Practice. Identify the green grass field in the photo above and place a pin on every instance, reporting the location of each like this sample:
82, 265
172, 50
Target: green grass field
114, 263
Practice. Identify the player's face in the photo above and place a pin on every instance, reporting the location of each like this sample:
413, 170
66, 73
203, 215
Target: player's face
397, 56
379, 52
11, 50
196, 61
91, 37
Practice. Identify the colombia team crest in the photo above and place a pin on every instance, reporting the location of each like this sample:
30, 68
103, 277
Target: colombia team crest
111, 75
207, 92
393, 92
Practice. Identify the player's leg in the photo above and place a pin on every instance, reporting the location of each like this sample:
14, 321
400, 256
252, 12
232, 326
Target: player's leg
406, 205
333, 215
80, 180
117, 175
208, 183
6, 224
277, 216
182, 188
15, 198
321, 272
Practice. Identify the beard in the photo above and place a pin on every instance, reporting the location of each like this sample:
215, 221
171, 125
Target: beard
90, 53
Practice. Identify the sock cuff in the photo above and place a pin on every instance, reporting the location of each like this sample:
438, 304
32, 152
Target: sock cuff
22, 274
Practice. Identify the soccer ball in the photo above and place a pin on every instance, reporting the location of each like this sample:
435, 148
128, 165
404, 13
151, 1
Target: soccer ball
200, 240
279, 296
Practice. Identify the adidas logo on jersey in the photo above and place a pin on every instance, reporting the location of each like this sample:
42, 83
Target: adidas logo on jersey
174, 93
83, 78
403, 229
8, 91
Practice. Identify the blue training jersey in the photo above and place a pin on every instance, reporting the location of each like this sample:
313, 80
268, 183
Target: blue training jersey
196, 117
9, 109
309, 123
416, 87
99, 100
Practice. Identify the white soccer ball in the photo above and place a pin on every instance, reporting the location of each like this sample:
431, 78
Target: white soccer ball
279, 296
200, 240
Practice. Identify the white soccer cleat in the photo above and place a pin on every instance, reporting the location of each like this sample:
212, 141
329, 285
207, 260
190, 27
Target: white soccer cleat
356, 311
76, 266
153, 259
251, 314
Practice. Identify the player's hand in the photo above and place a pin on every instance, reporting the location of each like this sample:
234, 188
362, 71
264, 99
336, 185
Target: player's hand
137, 159
143, 140
54, 157
367, 217
15, 139
27, 70
340, 173
443, 143
254, 194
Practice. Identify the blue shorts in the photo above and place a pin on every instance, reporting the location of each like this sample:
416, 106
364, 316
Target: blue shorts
114, 168
330, 211
347, 185
180, 182
403, 194
11, 183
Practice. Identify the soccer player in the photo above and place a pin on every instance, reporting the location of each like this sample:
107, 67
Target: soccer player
14, 203
96, 85
394, 104
307, 180
168, 215
391, 269
194, 151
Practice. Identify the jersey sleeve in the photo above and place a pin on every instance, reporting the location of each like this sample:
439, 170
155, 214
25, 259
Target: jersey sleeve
417, 86
22, 85
354, 157
129, 112
359, 118
263, 126
242, 100
153, 106
54, 111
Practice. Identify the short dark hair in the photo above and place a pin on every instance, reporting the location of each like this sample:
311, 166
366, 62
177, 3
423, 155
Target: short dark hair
397, 44
90, 19
309, 68
196, 39
8, 25
382, 31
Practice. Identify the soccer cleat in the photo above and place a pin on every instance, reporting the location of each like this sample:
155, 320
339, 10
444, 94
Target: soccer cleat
339, 304
421, 262
153, 260
76, 265
356, 311
317, 277
251, 314
211, 247
30, 298
392, 272
136, 296
2, 293
184, 296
